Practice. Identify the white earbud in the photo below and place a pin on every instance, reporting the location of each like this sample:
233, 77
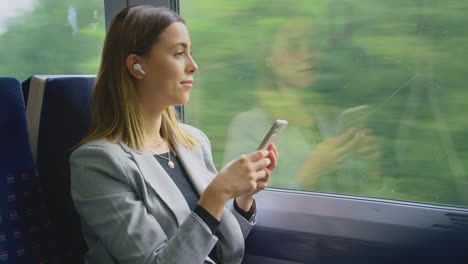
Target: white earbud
137, 67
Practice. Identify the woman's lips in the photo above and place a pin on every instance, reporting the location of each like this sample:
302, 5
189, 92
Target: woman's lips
187, 83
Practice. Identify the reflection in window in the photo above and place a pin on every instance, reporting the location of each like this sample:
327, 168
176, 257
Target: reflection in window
51, 37
374, 92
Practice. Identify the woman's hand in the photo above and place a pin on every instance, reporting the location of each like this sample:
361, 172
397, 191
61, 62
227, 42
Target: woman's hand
238, 177
247, 174
245, 201
244, 177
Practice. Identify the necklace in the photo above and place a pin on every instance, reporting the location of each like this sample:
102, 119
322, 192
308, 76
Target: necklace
157, 144
169, 162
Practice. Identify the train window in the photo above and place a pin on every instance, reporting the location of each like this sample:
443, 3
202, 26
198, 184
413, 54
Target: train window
51, 37
374, 91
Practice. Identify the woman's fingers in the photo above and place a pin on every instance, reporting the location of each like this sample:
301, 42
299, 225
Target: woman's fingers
257, 155
263, 176
274, 148
261, 164
261, 185
267, 177
263, 158
272, 156
260, 174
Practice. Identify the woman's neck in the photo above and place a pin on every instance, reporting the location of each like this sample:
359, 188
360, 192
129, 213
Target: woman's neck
152, 121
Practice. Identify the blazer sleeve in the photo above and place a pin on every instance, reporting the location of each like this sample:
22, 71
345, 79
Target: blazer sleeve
109, 206
245, 225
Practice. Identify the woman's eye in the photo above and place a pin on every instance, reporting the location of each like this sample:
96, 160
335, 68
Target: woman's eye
182, 53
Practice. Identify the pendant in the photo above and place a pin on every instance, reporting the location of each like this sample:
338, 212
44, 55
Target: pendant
171, 164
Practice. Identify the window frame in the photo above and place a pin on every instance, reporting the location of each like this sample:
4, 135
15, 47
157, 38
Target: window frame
357, 210
347, 228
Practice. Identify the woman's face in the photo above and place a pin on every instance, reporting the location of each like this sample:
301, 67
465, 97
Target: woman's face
292, 55
169, 69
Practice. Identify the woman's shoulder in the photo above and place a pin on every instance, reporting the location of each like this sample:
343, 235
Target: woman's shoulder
98, 143
99, 159
95, 147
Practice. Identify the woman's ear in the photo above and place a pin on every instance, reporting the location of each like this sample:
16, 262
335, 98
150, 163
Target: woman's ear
131, 60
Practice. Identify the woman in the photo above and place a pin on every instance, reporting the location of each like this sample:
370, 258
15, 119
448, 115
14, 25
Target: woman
144, 185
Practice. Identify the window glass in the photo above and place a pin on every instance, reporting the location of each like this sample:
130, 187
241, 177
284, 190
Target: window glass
375, 92
50, 37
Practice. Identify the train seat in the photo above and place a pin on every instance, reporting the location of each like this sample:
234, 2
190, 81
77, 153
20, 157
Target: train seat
58, 110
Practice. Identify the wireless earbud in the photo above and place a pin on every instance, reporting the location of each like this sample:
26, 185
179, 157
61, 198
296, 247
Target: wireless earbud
137, 67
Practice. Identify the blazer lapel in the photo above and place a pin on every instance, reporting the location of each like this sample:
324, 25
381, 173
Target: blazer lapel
194, 165
155, 175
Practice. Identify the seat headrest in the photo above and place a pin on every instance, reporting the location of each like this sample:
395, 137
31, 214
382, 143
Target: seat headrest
56, 104
65, 114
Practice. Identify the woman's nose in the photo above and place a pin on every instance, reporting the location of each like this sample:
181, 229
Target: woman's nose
192, 66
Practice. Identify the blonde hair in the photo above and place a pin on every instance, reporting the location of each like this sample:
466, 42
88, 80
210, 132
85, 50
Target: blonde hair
116, 112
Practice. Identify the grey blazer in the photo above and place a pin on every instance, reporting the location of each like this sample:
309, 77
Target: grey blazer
132, 212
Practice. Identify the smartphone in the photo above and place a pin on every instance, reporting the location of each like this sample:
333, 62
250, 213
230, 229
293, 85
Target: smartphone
273, 134
353, 117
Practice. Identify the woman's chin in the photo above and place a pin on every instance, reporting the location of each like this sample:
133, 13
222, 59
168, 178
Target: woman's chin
182, 101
